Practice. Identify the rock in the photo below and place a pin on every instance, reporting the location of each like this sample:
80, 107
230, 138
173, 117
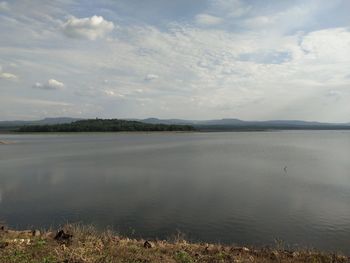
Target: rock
61, 236
36, 233
211, 249
49, 235
275, 254
63, 247
147, 244
245, 249
3, 245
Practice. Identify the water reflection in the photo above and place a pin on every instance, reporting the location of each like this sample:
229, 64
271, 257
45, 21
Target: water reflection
222, 187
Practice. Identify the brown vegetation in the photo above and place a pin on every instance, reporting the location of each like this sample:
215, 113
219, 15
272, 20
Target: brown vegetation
79, 244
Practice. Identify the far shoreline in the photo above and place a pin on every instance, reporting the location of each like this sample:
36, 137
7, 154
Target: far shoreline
11, 132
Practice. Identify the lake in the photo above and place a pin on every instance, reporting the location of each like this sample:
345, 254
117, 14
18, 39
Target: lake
236, 187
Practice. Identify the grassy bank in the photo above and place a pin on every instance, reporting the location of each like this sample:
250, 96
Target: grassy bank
84, 244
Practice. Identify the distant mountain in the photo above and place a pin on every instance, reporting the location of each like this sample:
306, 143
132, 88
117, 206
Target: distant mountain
203, 125
237, 122
46, 121
234, 124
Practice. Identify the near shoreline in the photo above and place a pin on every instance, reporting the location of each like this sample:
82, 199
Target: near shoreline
83, 244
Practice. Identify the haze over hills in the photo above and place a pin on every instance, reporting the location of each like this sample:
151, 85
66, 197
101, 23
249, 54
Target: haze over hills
237, 124
46, 121
218, 124
228, 121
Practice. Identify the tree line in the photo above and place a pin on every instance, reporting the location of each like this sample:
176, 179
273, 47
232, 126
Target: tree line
104, 125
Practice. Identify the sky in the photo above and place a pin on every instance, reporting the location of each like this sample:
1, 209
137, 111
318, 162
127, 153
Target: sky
190, 59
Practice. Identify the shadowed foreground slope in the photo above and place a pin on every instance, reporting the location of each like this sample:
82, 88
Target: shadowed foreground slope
76, 244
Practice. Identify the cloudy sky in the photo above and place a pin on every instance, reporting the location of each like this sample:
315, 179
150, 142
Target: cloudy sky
193, 59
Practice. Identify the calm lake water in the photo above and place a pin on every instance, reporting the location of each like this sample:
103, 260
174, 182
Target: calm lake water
213, 187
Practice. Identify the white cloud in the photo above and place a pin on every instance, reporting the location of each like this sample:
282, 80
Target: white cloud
328, 45
150, 77
289, 20
112, 93
90, 27
260, 21
51, 84
109, 93
180, 68
4, 6
7, 76
207, 20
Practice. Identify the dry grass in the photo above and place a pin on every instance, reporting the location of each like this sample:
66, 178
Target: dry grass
87, 245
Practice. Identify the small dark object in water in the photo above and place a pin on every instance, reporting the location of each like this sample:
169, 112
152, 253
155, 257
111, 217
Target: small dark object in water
147, 245
285, 169
61, 236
